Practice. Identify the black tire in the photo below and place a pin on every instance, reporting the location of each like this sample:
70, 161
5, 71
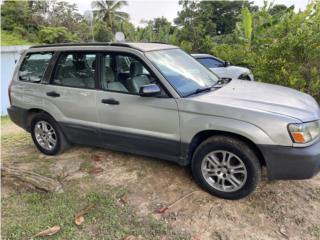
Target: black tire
61, 141
234, 146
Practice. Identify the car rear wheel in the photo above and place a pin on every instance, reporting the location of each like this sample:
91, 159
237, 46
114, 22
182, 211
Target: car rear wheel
47, 135
226, 167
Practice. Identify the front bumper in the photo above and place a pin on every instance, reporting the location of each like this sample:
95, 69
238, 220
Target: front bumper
291, 162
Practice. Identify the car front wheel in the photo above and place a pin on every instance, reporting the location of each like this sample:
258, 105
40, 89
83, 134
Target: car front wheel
226, 167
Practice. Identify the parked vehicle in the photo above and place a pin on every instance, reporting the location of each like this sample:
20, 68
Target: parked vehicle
156, 100
223, 69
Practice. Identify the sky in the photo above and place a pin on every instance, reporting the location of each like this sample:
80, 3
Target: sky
149, 9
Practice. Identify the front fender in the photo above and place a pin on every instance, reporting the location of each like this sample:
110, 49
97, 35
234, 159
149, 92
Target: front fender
190, 127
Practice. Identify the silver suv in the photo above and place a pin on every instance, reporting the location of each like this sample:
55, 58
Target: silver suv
156, 100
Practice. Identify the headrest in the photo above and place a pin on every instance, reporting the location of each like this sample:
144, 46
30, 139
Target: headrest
136, 68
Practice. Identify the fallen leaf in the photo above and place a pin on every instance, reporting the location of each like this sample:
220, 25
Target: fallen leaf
79, 220
79, 217
96, 170
195, 238
123, 199
162, 210
130, 237
283, 232
97, 158
48, 232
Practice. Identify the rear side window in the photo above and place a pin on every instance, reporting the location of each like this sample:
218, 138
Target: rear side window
33, 66
76, 70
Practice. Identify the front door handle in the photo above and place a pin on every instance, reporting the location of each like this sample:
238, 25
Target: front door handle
111, 101
53, 94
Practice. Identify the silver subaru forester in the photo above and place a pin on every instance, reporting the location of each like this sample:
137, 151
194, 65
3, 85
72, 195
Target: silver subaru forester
156, 100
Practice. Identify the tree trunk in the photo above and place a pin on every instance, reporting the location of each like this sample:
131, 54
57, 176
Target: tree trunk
35, 180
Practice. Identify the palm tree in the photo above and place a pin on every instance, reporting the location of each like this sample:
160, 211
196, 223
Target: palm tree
108, 11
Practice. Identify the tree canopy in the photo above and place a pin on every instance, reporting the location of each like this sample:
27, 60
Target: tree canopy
278, 44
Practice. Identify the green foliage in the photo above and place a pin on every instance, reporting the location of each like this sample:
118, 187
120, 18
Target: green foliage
10, 38
56, 35
15, 14
247, 25
109, 12
284, 49
102, 33
280, 46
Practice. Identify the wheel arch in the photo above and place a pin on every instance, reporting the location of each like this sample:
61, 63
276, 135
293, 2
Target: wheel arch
30, 114
205, 134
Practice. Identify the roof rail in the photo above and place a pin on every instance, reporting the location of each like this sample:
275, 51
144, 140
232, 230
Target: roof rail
83, 44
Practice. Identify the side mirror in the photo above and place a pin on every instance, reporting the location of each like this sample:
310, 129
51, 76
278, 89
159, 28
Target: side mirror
226, 64
149, 90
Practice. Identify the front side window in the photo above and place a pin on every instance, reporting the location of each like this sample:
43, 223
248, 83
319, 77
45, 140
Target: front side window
33, 67
210, 62
76, 70
124, 73
183, 72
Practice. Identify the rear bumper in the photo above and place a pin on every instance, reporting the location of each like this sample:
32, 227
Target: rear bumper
19, 116
291, 162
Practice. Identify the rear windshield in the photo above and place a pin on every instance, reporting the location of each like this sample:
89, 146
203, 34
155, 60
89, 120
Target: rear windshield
210, 62
34, 66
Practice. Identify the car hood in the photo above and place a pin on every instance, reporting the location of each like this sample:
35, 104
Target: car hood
230, 71
265, 97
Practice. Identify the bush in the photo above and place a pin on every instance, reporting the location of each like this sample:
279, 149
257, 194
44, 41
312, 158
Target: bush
56, 35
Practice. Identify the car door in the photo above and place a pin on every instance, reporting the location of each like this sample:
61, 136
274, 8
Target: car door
71, 95
148, 125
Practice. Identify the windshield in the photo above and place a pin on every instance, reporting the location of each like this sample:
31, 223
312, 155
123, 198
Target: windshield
183, 72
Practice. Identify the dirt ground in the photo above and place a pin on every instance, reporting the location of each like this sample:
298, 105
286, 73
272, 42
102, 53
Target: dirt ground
276, 210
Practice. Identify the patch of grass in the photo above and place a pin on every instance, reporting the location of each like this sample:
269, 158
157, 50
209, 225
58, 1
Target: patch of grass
314, 230
21, 137
9, 38
5, 120
86, 165
29, 213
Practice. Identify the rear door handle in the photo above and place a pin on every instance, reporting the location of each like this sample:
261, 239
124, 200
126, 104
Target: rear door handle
111, 101
53, 94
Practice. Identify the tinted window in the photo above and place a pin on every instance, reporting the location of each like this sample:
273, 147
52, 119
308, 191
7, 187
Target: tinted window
210, 62
123, 73
34, 66
76, 70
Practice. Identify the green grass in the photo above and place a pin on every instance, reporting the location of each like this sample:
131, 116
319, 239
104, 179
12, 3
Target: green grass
16, 138
26, 214
8, 38
5, 120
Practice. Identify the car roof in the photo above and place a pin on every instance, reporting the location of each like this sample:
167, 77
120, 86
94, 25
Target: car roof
144, 47
203, 55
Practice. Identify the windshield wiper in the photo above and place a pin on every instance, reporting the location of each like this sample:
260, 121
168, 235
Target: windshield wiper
199, 90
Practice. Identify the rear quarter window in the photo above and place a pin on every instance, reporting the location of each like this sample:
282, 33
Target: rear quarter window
34, 66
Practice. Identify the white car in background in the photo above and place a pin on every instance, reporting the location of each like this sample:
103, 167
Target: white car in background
222, 68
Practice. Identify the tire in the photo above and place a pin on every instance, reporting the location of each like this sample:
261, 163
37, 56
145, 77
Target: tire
218, 177
45, 146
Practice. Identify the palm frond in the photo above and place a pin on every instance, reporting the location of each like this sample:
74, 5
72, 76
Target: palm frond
118, 4
122, 15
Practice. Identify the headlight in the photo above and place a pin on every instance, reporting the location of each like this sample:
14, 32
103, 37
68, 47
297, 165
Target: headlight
304, 132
